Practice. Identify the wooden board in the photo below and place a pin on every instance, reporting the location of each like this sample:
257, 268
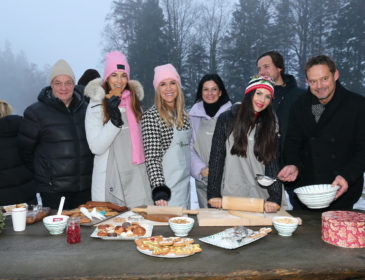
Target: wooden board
157, 217
220, 217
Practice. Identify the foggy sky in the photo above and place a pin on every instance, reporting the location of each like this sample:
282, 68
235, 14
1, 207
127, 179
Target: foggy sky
47, 30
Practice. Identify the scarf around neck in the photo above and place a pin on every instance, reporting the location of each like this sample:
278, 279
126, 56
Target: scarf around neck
134, 129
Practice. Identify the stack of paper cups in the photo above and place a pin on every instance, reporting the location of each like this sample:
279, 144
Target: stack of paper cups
19, 216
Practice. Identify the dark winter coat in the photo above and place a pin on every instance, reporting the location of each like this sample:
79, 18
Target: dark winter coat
16, 181
52, 140
284, 97
333, 146
218, 156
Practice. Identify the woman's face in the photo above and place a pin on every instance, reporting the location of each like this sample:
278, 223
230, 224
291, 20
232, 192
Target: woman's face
261, 99
168, 91
210, 92
117, 80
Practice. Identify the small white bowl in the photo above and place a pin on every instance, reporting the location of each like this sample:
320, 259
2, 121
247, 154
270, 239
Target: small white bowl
285, 225
181, 229
317, 196
55, 224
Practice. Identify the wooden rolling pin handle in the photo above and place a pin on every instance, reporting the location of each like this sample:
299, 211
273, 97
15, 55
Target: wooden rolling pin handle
139, 210
191, 212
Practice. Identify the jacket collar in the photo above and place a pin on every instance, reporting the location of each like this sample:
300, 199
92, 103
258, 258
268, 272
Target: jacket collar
96, 92
198, 110
46, 97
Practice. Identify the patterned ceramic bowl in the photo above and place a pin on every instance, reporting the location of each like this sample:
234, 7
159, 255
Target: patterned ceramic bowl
317, 196
284, 225
181, 226
55, 224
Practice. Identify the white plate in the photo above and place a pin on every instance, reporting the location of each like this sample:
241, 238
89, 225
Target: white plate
148, 228
169, 256
8, 208
220, 239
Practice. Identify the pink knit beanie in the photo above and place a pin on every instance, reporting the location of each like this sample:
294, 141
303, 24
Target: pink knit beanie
115, 61
164, 72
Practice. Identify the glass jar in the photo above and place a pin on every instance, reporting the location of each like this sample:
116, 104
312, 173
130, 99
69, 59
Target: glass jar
73, 230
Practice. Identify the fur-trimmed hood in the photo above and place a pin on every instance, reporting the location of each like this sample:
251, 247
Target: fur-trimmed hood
96, 92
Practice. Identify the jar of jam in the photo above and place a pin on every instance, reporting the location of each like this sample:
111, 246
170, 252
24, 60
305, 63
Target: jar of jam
73, 230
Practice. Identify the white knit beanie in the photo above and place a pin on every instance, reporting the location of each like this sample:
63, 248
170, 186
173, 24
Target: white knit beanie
61, 67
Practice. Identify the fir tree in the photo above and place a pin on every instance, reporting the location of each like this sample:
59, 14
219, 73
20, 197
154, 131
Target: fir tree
196, 66
347, 40
147, 50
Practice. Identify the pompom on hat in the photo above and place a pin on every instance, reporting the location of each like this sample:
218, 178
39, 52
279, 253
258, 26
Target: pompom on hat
163, 72
261, 82
115, 61
61, 67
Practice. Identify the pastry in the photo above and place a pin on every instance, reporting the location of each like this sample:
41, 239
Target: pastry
103, 226
179, 243
187, 241
84, 220
139, 231
102, 233
119, 229
166, 242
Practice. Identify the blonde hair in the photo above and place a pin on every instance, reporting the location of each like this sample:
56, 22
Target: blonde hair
5, 109
169, 116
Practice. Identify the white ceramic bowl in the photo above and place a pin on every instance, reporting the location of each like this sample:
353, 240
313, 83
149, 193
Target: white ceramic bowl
285, 225
55, 224
317, 196
181, 229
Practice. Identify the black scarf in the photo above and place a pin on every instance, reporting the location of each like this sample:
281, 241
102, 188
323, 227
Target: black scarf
212, 108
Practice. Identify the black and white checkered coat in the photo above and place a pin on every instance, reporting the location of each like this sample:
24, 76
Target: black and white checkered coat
157, 137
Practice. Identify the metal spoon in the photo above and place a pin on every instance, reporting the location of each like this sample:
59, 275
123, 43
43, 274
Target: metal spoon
265, 180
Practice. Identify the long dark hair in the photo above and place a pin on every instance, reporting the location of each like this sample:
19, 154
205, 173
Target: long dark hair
223, 99
135, 103
243, 123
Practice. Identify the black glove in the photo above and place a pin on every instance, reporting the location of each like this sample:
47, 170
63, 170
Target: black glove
113, 110
161, 192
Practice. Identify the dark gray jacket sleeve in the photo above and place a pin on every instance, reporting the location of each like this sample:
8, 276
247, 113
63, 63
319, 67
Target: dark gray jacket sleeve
272, 170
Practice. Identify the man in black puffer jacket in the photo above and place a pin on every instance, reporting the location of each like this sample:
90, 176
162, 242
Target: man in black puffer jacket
16, 181
53, 143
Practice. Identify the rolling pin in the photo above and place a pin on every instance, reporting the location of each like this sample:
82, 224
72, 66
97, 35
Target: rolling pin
243, 204
178, 211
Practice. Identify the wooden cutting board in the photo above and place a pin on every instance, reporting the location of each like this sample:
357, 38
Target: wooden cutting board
220, 217
156, 219
163, 218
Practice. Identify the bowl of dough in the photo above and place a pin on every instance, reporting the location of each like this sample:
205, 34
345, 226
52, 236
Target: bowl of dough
285, 225
181, 226
317, 196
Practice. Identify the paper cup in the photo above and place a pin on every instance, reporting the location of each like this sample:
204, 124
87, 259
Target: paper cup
19, 217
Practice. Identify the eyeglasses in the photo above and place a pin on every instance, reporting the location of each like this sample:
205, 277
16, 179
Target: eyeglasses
67, 84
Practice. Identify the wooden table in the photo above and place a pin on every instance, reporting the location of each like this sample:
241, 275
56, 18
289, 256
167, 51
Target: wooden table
36, 254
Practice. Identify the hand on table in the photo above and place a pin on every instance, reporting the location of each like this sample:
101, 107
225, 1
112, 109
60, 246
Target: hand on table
342, 183
288, 174
271, 207
161, 202
215, 202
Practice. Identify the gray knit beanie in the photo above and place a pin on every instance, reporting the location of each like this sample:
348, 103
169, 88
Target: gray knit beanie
61, 68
